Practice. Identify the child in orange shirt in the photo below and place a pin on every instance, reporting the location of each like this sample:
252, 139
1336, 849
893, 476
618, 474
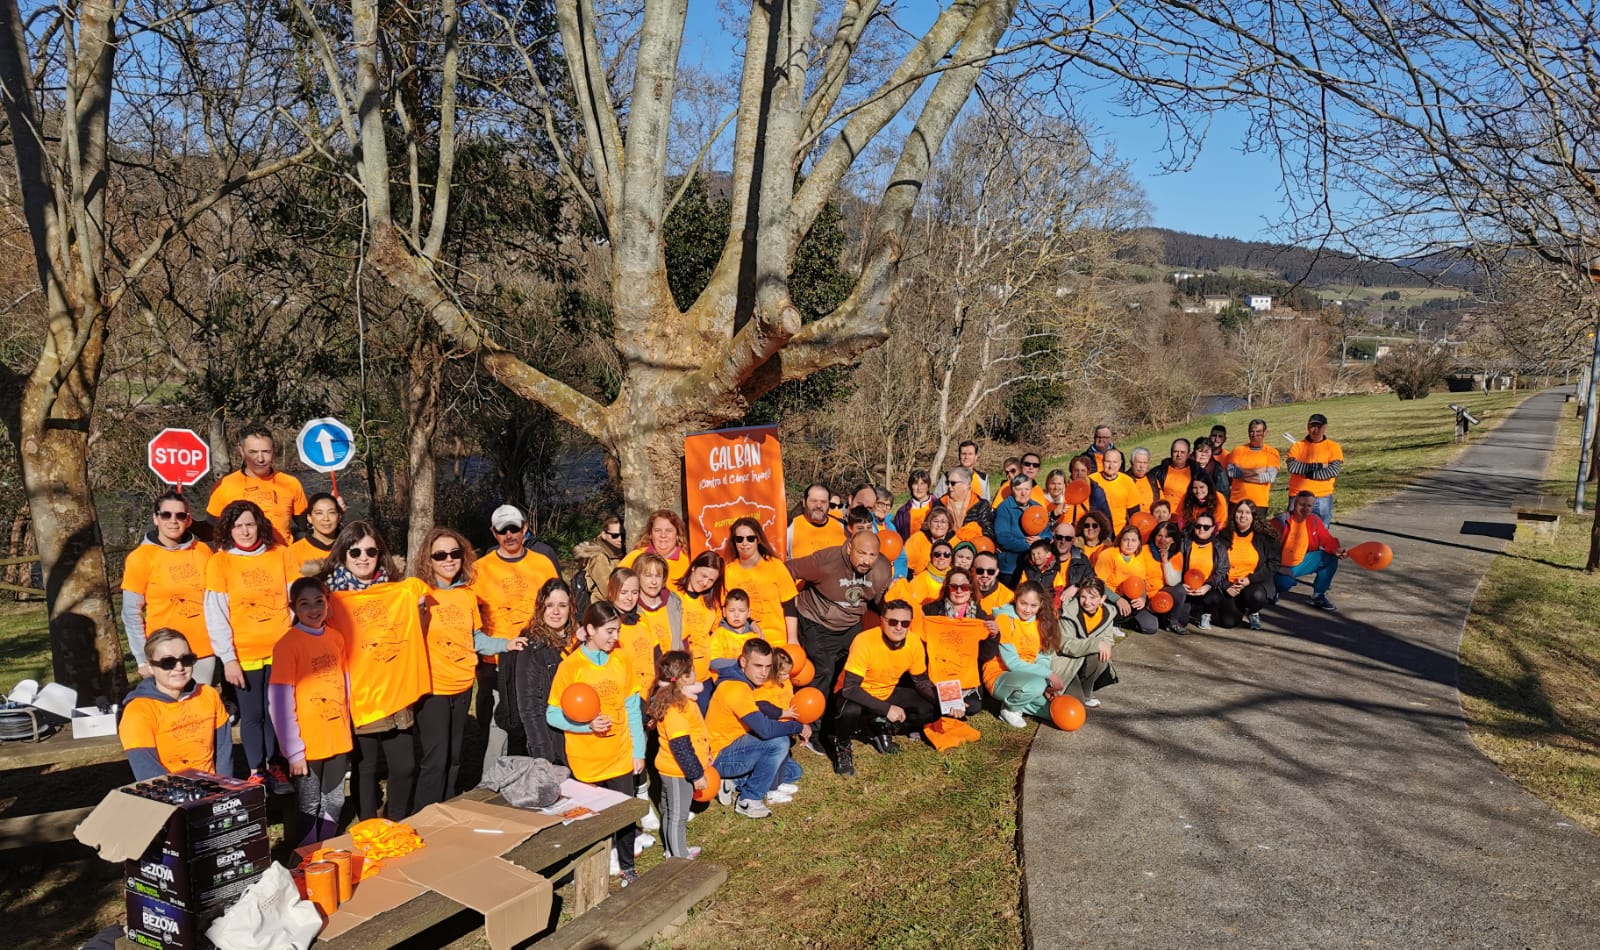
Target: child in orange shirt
311, 710
685, 751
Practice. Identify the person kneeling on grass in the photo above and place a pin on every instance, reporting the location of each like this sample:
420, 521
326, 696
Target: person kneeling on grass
1022, 677
1087, 635
748, 747
886, 679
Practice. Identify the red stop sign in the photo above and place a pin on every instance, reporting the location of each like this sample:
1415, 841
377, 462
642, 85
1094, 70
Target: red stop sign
179, 456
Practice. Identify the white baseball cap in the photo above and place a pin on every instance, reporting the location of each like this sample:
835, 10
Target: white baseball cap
506, 516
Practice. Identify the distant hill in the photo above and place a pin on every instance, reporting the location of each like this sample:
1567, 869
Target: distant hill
1304, 266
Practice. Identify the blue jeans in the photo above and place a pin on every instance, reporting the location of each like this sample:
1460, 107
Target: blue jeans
1320, 563
752, 764
1323, 509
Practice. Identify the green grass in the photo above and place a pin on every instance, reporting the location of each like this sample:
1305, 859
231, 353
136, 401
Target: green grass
24, 644
1387, 442
1530, 658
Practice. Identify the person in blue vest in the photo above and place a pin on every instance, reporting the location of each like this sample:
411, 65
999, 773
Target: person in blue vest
1010, 537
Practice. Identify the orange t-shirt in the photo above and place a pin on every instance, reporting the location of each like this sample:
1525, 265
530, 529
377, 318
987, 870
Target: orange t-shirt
916, 514
1141, 493
952, 648
595, 758
769, 585
453, 615
1242, 558
1296, 541
806, 538
677, 565
1176, 485
1001, 596
279, 497
699, 621
1120, 497
880, 667
1202, 558
639, 641
680, 721
1246, 457
733, 700
257, 586
386, 653
509, 590
183, 733
1022, 634
173, 585
659, 621
308, 553
1114, 568
1314, 453
727, 644
774, 692
314, 666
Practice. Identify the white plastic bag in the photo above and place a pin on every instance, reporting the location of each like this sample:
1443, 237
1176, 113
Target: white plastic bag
269, 916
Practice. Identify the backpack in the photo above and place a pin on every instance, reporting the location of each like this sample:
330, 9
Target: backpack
581, 594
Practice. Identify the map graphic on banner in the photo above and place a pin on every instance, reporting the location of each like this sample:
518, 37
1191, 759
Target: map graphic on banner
730, 474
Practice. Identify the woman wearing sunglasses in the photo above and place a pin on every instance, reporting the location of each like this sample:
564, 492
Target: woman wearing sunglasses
164, 585
247, 611
453, 628
387, 658
599, 557
169, 721
959, 651
756, 569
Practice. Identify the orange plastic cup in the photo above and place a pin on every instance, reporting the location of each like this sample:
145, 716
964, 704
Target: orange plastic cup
345, 862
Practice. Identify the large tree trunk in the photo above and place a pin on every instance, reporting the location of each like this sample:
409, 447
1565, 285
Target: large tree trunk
422, 422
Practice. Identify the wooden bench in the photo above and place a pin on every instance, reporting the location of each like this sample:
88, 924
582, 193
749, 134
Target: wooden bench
1541, 513
659, 900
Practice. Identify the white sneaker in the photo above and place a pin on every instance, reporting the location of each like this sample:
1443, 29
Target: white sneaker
776, 797
1205, 621
1013, 719
651, 821
1092, 703
1119, 633
725, 793
616, 866
750, 808
789, 788
642, 843
690, 817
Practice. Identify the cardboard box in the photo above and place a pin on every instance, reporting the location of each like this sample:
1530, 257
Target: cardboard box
213, 879
124, 826
89, 722
460, 860
157, 924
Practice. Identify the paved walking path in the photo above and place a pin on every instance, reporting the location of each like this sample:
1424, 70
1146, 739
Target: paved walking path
1313, 784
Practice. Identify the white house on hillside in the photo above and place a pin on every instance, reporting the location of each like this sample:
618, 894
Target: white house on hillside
1260, 303
1216, 303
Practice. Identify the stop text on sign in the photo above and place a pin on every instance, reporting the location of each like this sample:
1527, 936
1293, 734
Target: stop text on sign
185, 457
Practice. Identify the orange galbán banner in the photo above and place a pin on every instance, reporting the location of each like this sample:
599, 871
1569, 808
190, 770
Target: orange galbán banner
729, 474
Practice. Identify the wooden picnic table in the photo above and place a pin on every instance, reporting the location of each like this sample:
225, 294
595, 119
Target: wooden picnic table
59, 750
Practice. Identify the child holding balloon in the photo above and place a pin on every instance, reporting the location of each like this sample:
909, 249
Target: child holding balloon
1021, 677
595, 701
684, 757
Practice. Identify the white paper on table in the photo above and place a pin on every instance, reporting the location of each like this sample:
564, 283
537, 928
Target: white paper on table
580, 800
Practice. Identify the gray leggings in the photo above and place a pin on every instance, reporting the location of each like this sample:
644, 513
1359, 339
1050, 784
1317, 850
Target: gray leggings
677, 795
319, 798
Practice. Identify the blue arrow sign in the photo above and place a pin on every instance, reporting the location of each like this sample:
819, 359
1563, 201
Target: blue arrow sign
326, 445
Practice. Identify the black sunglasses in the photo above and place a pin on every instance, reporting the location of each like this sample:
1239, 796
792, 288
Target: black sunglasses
170, 515
362, 552
942, 554
1064, 537
834, 502
1204, 526
170, 663
896, 623
454, 554
986, 571
744, 539
612, 534
513, 529
1030, 464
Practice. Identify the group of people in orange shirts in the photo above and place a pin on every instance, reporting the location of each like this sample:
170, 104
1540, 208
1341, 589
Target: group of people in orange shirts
333, 660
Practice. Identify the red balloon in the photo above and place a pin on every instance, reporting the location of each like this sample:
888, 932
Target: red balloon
1193, 578
1372, 555
1132, 588
1035, 520
713, 785
1161, 602
580, 702
1067, 713
889, 543
1077, 493
809, 704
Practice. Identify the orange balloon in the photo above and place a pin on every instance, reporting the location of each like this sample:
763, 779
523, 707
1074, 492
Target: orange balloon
713, 785
580, 703
796, 653
809, 704
1372, 555
1193, 578
1161, 602
1145, 522
889, 543
1077, 493
1035, 520
983, 544
803, 673
1067, 713
1132, 588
